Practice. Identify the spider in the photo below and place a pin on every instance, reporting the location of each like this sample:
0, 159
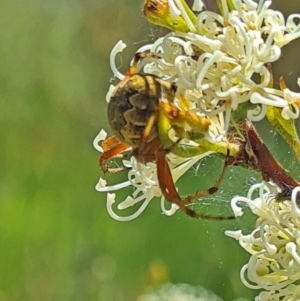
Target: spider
141, 112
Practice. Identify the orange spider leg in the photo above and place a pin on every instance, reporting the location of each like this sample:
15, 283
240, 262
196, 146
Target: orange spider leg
169, 191
151, 121
109, 143
136, 59
180, 118
112, 148
167, 186
209, 191
165, 179
190, 117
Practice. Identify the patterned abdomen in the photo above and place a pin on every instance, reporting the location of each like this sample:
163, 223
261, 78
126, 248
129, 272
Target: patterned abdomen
131, 105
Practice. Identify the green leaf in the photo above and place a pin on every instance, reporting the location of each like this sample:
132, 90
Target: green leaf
286, 128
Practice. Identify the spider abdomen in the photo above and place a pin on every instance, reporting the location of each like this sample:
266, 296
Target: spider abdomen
132, 104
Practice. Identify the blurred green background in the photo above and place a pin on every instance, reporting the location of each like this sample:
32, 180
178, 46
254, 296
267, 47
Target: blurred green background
57, 241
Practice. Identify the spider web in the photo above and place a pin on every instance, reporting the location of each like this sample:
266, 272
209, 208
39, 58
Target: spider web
237, 180
205, 174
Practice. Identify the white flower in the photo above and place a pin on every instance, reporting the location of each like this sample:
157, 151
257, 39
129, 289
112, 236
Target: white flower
221, 63
293, 99
274, 244
198, 5
143, 179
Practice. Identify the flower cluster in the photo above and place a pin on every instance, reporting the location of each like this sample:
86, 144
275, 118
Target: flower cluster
274, 244
218, 63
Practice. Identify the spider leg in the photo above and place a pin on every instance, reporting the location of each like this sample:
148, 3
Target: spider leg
207, 192
169, 191
181, 117
150, 123
113, 148
110, 143
136, 59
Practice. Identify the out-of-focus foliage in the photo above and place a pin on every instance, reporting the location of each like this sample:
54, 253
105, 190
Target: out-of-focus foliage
56, 239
